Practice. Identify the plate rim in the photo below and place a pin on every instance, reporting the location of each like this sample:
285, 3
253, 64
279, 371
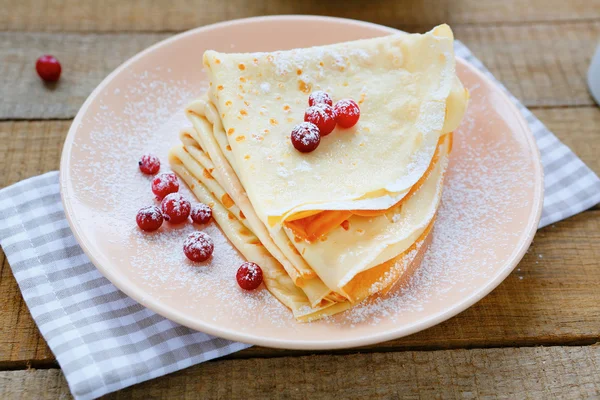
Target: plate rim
297, 344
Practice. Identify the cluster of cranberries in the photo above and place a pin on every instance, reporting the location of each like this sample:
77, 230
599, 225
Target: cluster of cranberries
320, 119
176, 209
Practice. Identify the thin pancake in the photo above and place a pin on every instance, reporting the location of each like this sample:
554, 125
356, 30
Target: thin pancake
366, 242
276, 279
205, 133
317, 225
201, 167
405, 84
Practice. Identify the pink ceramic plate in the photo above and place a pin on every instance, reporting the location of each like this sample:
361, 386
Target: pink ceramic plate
491, 203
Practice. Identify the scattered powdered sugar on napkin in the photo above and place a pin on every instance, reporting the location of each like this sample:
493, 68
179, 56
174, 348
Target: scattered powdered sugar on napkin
105, 341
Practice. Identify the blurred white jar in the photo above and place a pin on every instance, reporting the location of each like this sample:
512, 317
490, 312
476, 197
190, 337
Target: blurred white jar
594, 76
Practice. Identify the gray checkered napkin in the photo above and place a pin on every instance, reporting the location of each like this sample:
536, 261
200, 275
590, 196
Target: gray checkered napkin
105, 341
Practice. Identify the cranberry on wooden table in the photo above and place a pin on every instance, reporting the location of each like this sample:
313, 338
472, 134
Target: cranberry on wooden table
48, 68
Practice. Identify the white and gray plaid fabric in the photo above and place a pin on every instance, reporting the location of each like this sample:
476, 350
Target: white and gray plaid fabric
104, 341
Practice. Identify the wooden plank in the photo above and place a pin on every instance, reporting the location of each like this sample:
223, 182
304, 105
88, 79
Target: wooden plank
26, 149
542, 372
30, 148
177, 15
551, 304
544, 65
20, 340
85, 59
578, 128
34, 384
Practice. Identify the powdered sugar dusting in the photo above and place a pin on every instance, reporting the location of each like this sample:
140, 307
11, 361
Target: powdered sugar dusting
470, 232
265, 87
470, 238
198, 246
106, 174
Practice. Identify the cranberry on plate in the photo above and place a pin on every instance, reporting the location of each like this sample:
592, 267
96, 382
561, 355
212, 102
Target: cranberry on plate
175, 208
149, 164
198, 247
319, 97
323, 116
201, 213
249, 276
149, 218
165, 184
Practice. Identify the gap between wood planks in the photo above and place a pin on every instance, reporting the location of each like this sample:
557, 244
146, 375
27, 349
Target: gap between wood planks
258, 352
544, 372
115, 16
412, 28
543, 65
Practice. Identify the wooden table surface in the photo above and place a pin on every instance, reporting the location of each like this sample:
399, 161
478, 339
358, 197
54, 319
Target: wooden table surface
535, 336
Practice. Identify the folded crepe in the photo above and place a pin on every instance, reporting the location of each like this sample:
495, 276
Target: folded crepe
347, 221
275, 277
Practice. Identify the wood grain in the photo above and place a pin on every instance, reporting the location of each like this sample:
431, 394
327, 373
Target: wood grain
29, 148
85, 59
177, 15
544, 65
34, 384
578, 128
20, 340
543, 372
26, 149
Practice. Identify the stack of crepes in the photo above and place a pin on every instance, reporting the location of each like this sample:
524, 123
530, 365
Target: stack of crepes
351, 219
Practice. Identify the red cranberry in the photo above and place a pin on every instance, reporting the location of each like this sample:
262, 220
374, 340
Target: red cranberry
306, 137
48, 68
322, 116
164, 184
201, 213
149, 164
149, 218
198, 247
175, 208
319, 97
249, 276
347, 113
